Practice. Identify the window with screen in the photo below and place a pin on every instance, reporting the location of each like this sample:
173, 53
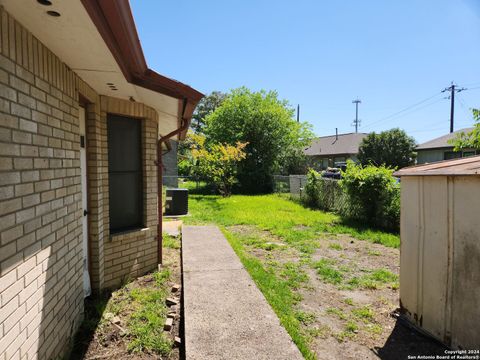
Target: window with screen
125, 177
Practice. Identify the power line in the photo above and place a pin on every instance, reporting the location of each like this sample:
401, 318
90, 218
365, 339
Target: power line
427, 130
403, 110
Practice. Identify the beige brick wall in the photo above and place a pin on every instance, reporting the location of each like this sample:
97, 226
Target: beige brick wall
134, 253
41, 292
41, 296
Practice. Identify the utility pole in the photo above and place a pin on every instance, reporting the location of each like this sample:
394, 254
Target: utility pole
356, 122
453, 89
298, 113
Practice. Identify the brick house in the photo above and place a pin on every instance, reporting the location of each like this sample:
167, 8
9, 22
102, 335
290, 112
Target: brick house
82, 125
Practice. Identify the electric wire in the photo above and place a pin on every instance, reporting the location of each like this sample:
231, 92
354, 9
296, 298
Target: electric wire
394, 115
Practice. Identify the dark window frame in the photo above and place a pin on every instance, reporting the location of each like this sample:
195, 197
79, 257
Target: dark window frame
125, 173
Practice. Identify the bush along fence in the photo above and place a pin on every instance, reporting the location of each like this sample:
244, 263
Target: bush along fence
323, 193
368, 194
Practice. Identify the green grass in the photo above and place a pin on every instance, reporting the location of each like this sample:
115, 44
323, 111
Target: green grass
319, 332
294, 275
365, 313
302, 230
328, 272
170, 242
374, 253
277, 292
374, 280
351, 326
144, 311
337, 312
145, 323
298, 226
349, 301
305, 318
335, 246
194, 187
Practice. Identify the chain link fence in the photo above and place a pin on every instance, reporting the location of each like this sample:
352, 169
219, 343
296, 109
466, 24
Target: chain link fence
329, 195
281, 184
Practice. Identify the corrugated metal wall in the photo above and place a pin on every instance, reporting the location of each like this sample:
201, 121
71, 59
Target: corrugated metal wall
440, 257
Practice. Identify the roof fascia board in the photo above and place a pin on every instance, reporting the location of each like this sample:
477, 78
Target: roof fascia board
114, 21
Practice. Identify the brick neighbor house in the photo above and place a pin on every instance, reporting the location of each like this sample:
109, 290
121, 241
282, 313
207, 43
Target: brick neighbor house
82, 122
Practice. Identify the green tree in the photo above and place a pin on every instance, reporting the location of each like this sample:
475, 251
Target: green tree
205, 107
186, 162
218, 162
294, 162
264, 122
470, 140
392, 148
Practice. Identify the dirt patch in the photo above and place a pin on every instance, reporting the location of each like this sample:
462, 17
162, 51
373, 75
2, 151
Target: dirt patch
263, 244
105, 335
356, 316
359, 253
301, 227
346, 305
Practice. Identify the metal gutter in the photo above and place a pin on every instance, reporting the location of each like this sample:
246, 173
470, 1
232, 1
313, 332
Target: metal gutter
114, 21
185, 118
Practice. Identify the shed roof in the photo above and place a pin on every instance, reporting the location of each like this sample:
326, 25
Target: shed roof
463, 166
442, 141
333, 145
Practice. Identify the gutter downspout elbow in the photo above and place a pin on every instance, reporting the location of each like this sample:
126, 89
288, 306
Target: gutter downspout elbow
159, 163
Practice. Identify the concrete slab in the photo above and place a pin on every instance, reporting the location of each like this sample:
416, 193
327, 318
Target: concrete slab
172, 228
226, 315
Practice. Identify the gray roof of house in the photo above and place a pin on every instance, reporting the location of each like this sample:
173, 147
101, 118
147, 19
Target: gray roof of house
442, 141
331, 145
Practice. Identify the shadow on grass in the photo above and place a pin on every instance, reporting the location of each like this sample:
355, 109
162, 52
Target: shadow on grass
405, 340
94, 309
210, 201
363, 227
198, 188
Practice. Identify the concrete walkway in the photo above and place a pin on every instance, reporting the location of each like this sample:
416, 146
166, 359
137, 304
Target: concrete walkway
226, 315
172, 227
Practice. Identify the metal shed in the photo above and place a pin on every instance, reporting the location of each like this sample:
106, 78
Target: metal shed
440, 250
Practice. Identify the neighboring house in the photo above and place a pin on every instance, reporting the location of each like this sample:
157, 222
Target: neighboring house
80, 120
326, 151
170, 163
440, 149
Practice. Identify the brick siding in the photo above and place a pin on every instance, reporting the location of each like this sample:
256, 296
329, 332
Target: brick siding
41, 285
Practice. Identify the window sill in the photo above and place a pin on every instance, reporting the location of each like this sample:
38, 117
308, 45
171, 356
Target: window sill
125, 233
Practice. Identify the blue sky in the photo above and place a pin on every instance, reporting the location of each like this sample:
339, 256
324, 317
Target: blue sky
323, 54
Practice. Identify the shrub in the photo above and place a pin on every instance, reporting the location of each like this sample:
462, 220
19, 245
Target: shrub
321, 193
312, 195
218, 163
372, 195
